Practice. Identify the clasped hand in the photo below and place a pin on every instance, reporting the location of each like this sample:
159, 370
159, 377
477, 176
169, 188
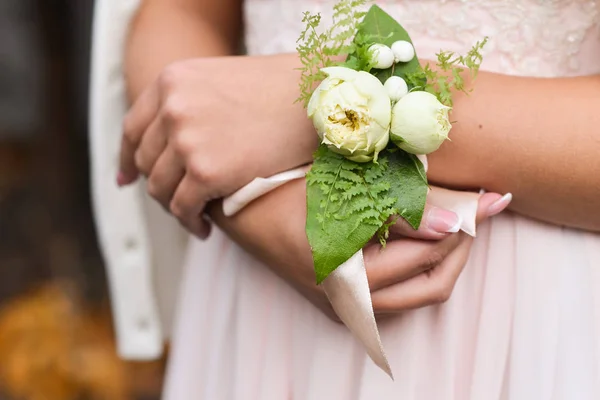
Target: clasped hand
206, 127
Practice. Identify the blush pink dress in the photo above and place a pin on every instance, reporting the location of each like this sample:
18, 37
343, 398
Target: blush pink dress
523, 322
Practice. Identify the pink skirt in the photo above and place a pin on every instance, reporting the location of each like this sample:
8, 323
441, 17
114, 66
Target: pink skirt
523, 322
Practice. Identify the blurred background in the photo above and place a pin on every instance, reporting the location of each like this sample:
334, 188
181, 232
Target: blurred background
56, 338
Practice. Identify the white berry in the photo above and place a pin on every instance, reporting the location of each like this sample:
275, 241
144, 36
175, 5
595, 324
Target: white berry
381, 55
403, 51
395, 87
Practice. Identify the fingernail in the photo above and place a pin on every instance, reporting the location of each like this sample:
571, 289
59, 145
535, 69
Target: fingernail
443, 221
499, 205
121, 180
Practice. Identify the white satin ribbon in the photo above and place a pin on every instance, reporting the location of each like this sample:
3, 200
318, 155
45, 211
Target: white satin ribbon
347, 288
259, 187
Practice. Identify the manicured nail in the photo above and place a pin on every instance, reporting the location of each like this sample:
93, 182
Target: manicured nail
443, 221
499, 205
121, 179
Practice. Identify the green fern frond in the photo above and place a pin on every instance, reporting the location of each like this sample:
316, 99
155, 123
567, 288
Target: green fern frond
351, 190
319, 48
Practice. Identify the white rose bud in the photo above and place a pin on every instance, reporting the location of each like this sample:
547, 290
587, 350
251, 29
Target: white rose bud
396, 87
351, 112
382, 56
419, 123
403, 51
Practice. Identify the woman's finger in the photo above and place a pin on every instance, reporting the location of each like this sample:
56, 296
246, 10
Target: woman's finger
435, 285
188, 205
491, 204
152, 145
403, 259
432, 287
437, 223
165, 177
137, 120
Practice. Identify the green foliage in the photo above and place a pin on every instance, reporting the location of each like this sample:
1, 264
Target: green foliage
311, 45
448, 76
347, 14
349, 188
359, 57
348, 203
318, 49
379, 27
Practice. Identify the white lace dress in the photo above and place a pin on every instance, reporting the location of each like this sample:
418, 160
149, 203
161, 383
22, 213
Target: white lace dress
524, 319
523, 322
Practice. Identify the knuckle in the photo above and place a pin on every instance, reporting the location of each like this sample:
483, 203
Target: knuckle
153, 187
169, 77
176, 208
432, 259
441, 292
182, 143
202, 170
174, 109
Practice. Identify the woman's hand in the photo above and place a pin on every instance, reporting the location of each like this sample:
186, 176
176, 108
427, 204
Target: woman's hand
208, 126
408, 274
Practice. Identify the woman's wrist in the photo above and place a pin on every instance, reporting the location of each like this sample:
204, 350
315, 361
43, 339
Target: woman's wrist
458, 162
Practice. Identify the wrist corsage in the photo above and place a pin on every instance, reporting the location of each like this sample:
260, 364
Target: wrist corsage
378, 112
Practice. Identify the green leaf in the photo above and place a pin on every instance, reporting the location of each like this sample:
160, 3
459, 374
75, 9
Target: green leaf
336, 231
379, 27
406, 175
348, 202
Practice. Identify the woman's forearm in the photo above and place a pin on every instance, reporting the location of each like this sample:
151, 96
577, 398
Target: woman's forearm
536, 138
165, 31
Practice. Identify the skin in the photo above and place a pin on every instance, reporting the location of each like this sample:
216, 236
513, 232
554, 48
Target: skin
408, 274
174, 135
549, 163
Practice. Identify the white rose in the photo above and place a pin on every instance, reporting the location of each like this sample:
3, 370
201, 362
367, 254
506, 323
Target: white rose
351, 112
419, 123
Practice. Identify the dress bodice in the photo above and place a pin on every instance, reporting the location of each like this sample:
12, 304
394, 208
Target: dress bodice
545, 38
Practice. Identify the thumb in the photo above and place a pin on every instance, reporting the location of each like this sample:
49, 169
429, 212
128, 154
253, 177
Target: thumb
491, 204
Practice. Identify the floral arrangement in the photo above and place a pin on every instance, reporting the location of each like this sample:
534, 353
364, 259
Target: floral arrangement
378, 113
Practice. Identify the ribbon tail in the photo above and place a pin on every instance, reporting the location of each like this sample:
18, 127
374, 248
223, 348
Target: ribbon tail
347, 288
348, 291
